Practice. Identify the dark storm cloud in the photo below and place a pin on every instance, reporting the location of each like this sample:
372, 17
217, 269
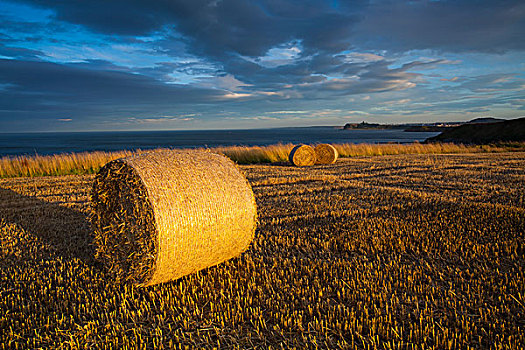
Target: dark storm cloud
217, 28
121, 17
224, 31
448, 25
40, 86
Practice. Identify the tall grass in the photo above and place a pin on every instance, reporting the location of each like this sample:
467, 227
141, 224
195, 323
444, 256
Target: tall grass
91, 162
59, 164
256, 154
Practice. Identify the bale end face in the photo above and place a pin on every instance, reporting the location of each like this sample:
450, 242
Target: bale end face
302, 155
326, 154
124, 223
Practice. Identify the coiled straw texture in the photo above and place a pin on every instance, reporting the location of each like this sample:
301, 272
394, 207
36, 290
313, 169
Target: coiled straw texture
162, 215
302, 155
326, 154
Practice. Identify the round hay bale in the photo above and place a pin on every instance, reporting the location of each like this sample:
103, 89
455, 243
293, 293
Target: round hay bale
302, 155
326, 153
163, 215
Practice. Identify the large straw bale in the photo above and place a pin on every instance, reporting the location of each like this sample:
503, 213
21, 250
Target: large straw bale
325, 154
162, 215
302, 155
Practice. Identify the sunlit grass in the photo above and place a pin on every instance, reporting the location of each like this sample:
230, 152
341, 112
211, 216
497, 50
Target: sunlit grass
91, 162
256, 154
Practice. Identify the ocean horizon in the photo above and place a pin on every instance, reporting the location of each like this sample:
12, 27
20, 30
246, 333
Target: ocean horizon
47, 143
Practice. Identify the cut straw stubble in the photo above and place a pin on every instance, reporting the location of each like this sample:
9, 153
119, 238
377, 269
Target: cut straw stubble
162, 215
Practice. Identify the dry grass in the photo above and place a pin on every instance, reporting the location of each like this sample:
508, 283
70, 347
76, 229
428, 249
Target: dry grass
256, 154
363, 149
60, 164
91, 162
393, 252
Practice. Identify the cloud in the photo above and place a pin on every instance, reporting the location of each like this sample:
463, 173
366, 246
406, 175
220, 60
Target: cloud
446, 25
43, 88
450, 79
234, 95
280, 55
159, 120
226, 82
288, 112
18, 52
249, 28
253, 28
361, 57
493, 83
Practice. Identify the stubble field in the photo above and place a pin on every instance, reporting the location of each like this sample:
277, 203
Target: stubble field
394, 252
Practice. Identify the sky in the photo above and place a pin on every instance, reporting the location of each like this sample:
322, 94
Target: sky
102, 65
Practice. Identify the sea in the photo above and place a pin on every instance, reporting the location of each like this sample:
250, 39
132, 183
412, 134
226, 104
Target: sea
15, 144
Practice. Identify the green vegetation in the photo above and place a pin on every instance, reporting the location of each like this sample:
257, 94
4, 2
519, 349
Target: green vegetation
505, 131
91, 162
392, 252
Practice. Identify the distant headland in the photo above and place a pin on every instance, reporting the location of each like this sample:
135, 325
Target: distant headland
504, 131
419, 127
476, 131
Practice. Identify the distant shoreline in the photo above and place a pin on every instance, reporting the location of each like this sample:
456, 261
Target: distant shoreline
419, 127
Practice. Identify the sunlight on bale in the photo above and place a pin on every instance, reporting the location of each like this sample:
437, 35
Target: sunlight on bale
302, 155
163, 215
325, 154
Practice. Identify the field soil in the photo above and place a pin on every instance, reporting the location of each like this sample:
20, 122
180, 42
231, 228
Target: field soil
409, 251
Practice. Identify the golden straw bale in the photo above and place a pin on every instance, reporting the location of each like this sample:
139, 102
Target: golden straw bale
326, 154
162, 215
302, 155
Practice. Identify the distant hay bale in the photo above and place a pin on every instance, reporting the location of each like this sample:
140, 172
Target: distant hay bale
162, 215
326, 154
302, 155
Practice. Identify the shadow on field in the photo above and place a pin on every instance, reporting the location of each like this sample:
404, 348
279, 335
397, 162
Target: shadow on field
67, 230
